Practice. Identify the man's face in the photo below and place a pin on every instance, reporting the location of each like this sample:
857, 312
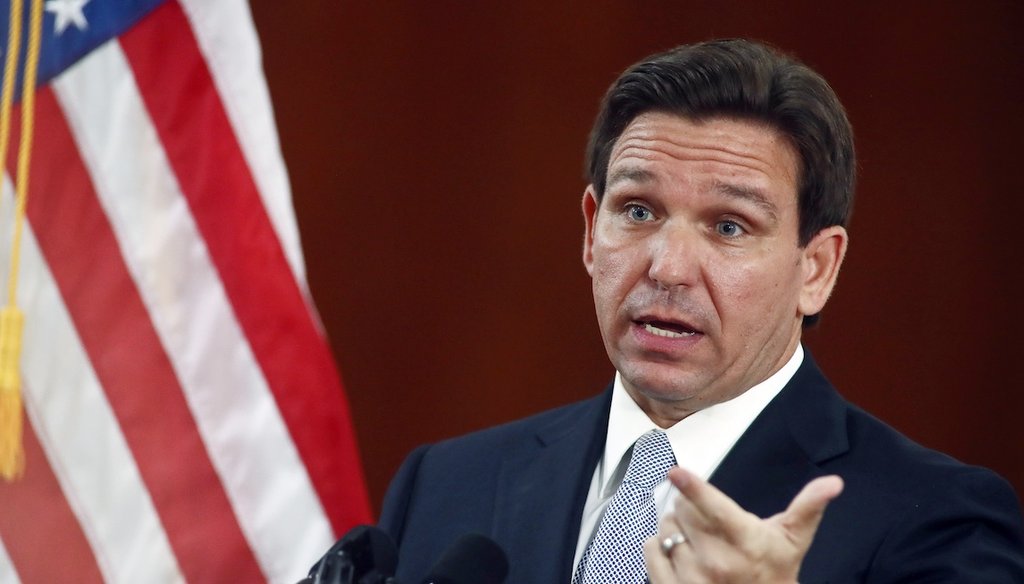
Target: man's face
699, 282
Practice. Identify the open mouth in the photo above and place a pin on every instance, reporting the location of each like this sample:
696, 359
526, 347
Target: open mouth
669, 330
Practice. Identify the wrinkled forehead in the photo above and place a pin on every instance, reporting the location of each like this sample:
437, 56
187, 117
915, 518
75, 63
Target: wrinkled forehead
741, 156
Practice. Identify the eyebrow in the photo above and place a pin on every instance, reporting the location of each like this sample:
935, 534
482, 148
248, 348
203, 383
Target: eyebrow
748, 194
637, 175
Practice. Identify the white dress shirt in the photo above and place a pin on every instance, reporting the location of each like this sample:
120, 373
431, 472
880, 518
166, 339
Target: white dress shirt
700, 442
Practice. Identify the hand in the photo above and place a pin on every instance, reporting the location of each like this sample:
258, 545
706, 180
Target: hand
724, 543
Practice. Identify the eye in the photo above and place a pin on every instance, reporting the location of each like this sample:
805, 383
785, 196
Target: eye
729, 229
638, 213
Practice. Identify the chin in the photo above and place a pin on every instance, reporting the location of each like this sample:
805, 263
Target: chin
654, 382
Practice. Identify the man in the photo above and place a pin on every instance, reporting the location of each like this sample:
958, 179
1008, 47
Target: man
721, 180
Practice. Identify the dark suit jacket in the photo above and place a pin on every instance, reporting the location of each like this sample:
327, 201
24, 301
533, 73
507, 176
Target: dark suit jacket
907, 514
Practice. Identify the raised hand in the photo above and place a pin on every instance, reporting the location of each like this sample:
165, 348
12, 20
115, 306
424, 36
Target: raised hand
721, 542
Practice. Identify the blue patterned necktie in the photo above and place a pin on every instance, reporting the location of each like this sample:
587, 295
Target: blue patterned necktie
615, 556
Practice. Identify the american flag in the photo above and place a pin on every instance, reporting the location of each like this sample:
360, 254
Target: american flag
184, 419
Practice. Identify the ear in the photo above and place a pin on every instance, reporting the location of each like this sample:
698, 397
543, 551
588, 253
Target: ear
590, 206
821, 260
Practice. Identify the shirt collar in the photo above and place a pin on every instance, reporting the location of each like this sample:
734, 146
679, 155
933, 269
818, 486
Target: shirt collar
701, 440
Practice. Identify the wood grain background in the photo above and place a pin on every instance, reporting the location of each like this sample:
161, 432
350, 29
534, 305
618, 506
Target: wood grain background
436, 152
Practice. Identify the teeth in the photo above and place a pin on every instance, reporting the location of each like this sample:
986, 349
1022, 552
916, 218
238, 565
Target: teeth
665, 333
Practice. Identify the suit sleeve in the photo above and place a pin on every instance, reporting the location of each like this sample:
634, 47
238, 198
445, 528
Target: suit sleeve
971, 531
396, 500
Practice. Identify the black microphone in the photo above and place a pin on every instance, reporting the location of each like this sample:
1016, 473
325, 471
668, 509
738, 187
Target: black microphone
472, 559
365, 555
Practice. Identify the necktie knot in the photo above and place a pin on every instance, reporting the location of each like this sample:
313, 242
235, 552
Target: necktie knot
651, 460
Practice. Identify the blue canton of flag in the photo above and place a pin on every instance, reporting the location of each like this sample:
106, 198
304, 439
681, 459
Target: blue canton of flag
73, 28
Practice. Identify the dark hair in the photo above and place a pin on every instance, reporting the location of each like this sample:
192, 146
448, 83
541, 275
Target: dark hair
745, 79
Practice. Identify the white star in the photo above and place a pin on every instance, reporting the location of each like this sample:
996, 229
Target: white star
67, 12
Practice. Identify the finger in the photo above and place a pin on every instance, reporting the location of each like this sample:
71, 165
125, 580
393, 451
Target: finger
674, 567
711, 544
705, 507
659, 565
804, 514
668, 525
694, 523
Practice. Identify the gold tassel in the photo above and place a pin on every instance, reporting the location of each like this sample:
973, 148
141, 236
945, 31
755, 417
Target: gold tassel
12, 453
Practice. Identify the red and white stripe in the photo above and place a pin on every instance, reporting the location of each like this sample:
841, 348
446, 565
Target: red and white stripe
7, 572
186, 422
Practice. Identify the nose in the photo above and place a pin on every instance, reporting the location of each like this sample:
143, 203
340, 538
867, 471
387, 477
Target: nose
675, 257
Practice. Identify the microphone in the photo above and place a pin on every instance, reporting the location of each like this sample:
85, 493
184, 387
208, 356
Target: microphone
472, 559
365, 555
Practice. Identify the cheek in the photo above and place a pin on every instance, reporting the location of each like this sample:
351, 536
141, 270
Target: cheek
614, 262
753, 291
733, 281
616, 272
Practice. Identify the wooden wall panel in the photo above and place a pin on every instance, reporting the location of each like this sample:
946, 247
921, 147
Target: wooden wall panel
435, 151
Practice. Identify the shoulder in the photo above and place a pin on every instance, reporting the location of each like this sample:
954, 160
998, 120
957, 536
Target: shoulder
840, 437
537, 428
436, 471
889, 475
920, 514
475, 458
907, 513
885, 463
942, 520
458, 486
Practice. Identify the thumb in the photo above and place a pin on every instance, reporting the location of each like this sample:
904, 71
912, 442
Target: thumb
802, 517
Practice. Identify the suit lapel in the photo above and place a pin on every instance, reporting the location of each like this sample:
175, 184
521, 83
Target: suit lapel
543, 488
804, 426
